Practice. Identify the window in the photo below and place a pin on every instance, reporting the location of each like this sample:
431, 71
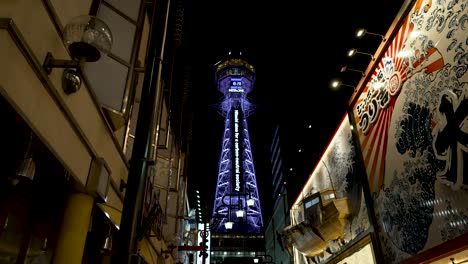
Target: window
312, 202
111, 76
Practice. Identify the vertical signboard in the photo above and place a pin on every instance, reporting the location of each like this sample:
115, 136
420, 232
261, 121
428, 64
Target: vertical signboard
237, 180
412, 127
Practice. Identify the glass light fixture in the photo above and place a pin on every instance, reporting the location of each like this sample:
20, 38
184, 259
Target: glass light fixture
335, 84
44, 245
240, 213
256, 260
360, 32
27, 168
228, 225
5, 225
107, 244
86, 38
250, 202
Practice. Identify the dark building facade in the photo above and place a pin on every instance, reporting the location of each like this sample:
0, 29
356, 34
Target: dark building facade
274, 247
76, 84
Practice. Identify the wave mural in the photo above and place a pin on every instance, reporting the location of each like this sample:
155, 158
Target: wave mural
412, 121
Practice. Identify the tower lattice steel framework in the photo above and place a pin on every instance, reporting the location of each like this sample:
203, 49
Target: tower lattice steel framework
236, 183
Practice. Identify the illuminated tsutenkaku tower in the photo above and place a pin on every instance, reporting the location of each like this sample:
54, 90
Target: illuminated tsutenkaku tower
236, 187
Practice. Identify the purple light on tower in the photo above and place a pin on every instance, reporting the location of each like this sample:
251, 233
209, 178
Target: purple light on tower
236, 187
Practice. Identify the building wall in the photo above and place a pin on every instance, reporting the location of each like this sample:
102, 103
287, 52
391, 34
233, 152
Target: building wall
338, 170
411, 127
74, 126
406, 126
274, 245
280, 211
80, 131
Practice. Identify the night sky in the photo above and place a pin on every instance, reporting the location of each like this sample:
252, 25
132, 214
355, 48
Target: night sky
296, 48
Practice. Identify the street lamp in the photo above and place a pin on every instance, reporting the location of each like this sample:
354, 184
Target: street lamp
222, 212
237, 203
228, 225
240, 213
250, 202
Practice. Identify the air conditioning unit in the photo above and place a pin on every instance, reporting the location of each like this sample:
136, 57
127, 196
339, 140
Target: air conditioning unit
99, 179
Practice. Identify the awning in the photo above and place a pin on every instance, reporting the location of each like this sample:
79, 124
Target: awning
113, 214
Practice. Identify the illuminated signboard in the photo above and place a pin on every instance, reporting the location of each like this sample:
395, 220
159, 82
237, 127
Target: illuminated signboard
237, 181
236, 86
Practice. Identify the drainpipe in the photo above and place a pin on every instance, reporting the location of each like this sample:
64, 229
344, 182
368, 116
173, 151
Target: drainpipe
151, 92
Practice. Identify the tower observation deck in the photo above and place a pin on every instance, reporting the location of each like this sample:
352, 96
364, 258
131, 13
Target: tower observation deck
237, 205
